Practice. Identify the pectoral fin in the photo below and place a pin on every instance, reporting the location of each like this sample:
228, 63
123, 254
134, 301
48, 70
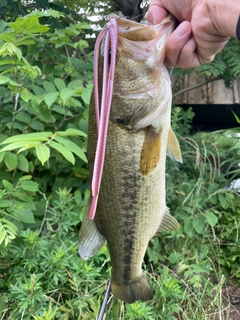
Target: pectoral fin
168, 222
90, 239
173, 148
150, 153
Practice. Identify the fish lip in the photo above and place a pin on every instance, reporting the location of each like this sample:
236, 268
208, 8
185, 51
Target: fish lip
134, 31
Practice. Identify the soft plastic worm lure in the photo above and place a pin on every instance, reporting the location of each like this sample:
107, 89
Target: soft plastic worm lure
110, 36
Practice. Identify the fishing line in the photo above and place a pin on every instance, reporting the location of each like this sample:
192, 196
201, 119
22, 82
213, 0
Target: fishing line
171, 72
104, 302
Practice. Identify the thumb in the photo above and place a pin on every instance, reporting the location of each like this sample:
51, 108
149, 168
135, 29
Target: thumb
156, 14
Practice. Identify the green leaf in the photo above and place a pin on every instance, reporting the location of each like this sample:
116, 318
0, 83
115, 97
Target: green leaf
36, 125
3, 24
83, 26
50, 98
43, 153
198, 223
30, 137
4, 79
38, 90
7, 185
25, 41
46, 13
35, 103
14, 145
75, 84
223, 201
212, 219
10, 160
86, 93
24, 178
72, 31
5, 203
182, 267
29, 146
3, 300
25, 215
60, 84
2, 137
2, 154
21, 196
11, 50
49, 87
23, 117
7, 61
26, 95
66, 93
29, 186
23, 164
73, 147
46, 113
8, 231
71, 132
198, 269
28, 25
64, 151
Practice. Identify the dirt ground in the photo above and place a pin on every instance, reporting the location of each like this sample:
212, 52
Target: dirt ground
231, 302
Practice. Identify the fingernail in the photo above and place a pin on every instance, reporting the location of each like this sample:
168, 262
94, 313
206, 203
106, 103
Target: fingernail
182, 29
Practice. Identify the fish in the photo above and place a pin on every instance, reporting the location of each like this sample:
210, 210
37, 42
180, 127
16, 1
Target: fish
131, 207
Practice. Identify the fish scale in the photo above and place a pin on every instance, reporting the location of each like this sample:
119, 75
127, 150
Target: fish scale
131, 206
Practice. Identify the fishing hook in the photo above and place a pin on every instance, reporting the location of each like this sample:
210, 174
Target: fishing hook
104, 302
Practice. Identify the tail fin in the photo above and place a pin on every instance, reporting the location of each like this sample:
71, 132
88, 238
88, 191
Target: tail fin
137, 289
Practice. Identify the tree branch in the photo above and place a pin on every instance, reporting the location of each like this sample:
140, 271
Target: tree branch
195, 86
131, 9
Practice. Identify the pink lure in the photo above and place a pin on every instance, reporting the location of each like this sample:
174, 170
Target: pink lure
102, 117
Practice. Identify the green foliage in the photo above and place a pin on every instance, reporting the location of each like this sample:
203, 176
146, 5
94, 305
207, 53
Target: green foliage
45, 87
55, 280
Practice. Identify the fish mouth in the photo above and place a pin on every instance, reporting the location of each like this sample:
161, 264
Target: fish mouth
141, 42
134, 31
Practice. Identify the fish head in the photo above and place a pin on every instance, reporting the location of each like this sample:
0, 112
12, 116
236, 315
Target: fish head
144, 43
142, 85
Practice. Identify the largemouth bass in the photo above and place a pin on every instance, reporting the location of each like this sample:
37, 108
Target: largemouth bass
131, 207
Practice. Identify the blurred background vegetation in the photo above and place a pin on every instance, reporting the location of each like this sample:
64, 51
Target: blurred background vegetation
46, 72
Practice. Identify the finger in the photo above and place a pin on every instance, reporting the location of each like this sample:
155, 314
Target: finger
209, 41
156, 13
207, 50
177, 46
188, 57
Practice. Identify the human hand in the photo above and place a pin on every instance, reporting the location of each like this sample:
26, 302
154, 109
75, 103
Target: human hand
204, 29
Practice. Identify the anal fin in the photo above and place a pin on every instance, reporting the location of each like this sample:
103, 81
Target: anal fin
90, 239
150, 153
168, 222
173, 148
